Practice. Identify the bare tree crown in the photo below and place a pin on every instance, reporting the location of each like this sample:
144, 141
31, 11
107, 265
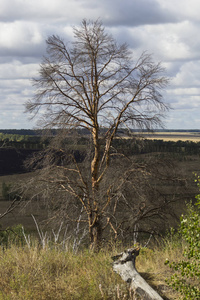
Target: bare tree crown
94, 82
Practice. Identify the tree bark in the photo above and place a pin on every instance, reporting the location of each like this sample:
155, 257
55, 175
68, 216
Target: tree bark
96, 158
124, 265
96, 236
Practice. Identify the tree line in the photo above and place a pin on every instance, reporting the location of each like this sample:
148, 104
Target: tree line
128, 146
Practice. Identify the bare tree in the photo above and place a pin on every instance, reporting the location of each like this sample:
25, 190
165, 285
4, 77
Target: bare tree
95, 83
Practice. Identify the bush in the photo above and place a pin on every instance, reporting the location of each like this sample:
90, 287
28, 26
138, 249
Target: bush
9, 193
6, 191
12, 235
186, 278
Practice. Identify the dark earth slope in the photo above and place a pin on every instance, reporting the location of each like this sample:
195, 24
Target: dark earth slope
12, 160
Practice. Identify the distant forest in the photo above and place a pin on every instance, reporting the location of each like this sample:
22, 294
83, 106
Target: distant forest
20, 131
17, 145
34, 140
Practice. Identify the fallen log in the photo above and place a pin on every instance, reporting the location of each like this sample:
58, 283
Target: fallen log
124, 265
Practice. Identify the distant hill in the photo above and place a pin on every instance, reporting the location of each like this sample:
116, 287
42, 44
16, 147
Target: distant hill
21, 131
39, 132
84, 131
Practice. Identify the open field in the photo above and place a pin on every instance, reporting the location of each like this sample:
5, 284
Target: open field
172, 136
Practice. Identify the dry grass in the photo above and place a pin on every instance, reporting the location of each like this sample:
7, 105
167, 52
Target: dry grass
173, 136
150, 265
52, 274
34, 273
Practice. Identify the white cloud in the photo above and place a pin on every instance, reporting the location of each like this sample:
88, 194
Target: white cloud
20, 39
183, 119
188, 75
169, 42
183, 9
16, 69
167, 29
42, 11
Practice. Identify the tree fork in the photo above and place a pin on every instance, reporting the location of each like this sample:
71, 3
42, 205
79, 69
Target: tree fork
95, 232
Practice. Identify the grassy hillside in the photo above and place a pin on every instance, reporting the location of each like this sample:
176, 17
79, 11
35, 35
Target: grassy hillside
51, 273
30, 271
187, 164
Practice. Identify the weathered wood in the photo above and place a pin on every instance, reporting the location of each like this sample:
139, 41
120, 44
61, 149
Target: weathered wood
124, 265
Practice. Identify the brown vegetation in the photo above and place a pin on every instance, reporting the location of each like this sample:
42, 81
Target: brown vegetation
51, 273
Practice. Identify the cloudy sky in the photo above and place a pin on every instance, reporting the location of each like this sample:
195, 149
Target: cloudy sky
168, 29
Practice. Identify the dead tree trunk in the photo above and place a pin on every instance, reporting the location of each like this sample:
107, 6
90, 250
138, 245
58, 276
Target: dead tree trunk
124, 265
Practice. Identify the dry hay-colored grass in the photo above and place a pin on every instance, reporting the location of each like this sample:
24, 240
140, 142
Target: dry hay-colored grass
53, 274
34, 273
173, 136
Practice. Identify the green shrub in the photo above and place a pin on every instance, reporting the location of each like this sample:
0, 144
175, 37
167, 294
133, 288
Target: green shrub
12, 235
186, 278
8, 193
